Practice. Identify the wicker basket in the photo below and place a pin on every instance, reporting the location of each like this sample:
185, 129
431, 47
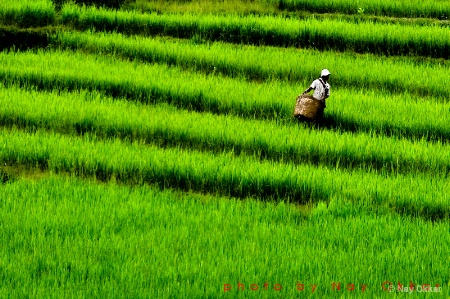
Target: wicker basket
307, 106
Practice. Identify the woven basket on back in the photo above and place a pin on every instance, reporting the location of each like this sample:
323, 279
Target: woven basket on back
307, 106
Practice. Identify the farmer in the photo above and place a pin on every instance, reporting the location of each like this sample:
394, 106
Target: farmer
321, 89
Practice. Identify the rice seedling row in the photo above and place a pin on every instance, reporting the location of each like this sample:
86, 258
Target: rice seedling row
400, 115
399, 9
166, 126
59, 232
262, 63
148, 83
404, 9
430, 41
27, 13
225, 174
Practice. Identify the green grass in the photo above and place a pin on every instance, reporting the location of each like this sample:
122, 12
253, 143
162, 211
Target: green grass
349, 109
391, 39
67, 237
167, 126
244, 176
400, 8
263, 63
210, 6
138, 167
28, 13
382, 8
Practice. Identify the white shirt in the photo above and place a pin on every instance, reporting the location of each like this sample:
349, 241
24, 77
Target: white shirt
320, 93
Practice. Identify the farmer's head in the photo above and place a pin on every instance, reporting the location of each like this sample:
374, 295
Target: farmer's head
325, 74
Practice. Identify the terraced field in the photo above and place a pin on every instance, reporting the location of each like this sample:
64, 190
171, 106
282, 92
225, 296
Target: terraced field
151, 152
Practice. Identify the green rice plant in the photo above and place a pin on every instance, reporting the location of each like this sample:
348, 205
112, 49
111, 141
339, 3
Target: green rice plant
203, 6
64, 237
262, 63
348, 109
404, 116
147, 83
366, 37
84, 112
27, 13
400, 9
243, 176
355, 13
406, 9
115, 4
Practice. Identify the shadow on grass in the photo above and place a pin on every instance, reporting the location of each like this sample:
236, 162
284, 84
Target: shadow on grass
23, 39
336, 123
10, 172
6, 176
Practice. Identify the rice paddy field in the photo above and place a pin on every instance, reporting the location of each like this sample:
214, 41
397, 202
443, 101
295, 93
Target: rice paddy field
148, 149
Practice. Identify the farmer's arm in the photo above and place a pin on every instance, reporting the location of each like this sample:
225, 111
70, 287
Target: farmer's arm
308, 90
311, 87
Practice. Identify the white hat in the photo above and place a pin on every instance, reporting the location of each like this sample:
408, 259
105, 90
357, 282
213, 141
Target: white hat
325, 72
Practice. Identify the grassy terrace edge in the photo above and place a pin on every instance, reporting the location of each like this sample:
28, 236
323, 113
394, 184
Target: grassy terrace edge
421, 76
27, 13
84, 112
336, 35
412, 9
136, 163
293, 65
404, 9
373, 112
